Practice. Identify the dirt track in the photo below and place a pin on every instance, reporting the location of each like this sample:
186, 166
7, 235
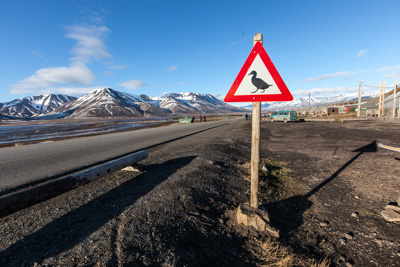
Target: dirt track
178, 211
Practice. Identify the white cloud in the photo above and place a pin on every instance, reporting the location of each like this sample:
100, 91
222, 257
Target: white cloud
389, 72
328, 76
172, 68
219, 96
108, 73
133, 84
362, 53
75, 74
324, 91
216, 95
395, 75
389, 69
90, 46
334, 91
90, 42
118, 67
74, 91
181, 83
67, 90
37, 54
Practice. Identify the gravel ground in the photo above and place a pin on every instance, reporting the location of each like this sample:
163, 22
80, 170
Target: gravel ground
178, 210
350, 182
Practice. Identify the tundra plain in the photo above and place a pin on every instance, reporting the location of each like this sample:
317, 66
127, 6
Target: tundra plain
326, 187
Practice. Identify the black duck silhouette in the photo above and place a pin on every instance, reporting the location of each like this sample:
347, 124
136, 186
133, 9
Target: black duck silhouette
258, 83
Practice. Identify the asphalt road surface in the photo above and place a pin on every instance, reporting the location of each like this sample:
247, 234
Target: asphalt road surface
27, 165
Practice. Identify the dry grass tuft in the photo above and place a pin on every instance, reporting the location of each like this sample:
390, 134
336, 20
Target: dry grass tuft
273, 254
275, 184
269, 252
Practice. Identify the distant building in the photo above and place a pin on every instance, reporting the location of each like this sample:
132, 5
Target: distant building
333, 110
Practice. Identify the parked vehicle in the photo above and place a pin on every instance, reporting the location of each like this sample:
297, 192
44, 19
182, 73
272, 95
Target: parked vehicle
285, 116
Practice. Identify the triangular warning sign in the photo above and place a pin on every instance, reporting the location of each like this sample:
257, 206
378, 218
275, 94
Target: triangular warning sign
258, 80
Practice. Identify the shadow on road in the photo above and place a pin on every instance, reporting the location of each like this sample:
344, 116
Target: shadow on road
74, 227
288, 213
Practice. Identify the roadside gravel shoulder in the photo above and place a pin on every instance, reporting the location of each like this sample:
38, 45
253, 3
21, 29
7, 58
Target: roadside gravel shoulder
174, 212
178, 211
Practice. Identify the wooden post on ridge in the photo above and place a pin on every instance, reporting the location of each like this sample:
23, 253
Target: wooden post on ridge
255, 143
359, 98
394, 99
398, 114
383, 99
380, 101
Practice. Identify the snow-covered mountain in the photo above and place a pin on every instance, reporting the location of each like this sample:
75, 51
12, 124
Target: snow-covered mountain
34, 105
296, 103
107, 102
175, 106
111, 103
303, 102
194, 103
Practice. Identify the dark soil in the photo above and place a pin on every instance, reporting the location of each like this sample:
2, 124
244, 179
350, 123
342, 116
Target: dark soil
179, 210
350, 182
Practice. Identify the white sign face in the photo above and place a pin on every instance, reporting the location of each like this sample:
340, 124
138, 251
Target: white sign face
258, 81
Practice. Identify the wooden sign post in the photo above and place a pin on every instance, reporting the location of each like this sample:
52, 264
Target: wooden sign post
258, 81
255, 142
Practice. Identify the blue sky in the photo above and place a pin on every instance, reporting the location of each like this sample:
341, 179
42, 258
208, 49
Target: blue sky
152, 47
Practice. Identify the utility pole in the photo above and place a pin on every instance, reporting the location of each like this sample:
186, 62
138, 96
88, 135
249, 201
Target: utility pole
398, 113
383, 99
309, 104
255, 142
359, 98
380, 101
394, 99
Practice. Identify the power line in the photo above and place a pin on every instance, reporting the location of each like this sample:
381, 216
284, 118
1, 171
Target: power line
373, 86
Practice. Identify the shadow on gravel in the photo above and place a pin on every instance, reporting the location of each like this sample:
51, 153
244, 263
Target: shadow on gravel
74, 227
288, 213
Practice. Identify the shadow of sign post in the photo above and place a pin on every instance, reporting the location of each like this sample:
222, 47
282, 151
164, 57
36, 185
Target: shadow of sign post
289, 212
368, 148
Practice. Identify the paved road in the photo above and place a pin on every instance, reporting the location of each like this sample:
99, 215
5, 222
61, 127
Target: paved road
24, 165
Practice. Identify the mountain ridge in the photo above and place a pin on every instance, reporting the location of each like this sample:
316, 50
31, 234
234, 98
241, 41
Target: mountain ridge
32, 106
107, 102
303, 102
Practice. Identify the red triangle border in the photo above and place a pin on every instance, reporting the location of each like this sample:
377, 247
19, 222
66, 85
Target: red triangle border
285, 95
